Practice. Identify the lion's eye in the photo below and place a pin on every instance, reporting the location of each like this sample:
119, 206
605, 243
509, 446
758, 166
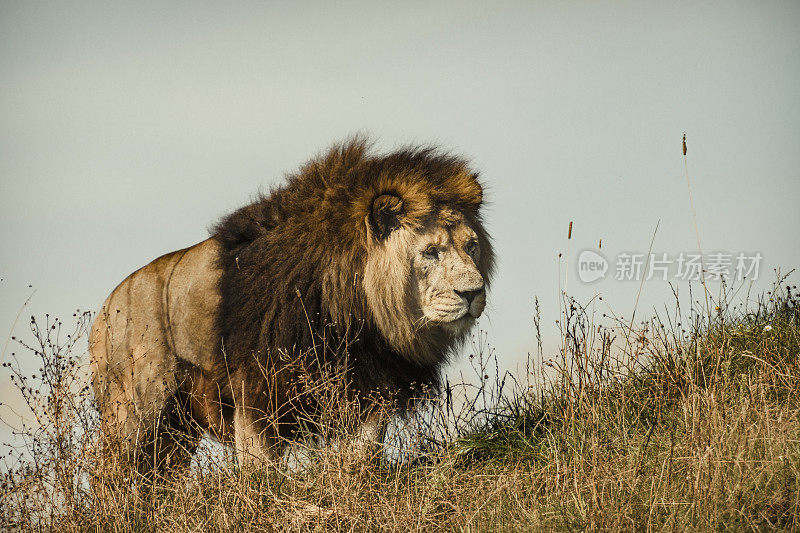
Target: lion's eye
472, 247
431, 252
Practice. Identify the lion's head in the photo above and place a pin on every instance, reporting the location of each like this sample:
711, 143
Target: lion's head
425, 277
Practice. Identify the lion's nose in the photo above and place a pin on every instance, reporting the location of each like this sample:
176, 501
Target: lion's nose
469, 295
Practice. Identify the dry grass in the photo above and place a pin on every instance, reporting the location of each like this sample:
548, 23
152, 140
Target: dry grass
668, 427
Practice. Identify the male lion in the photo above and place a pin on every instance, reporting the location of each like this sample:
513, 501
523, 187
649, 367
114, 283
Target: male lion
373, 265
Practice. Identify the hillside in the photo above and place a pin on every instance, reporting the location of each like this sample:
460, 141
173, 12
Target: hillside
659, 427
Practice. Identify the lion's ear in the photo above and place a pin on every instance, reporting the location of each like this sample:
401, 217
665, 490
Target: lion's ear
385, 215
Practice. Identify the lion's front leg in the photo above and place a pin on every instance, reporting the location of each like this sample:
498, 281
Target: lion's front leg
255, 444
368, 439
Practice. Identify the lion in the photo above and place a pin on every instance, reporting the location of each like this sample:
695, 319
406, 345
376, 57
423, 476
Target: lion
375, 265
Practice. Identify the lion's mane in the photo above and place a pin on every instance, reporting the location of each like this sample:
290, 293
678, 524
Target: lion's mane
294, 263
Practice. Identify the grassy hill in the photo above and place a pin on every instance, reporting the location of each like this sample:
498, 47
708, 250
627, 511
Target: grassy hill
661, 426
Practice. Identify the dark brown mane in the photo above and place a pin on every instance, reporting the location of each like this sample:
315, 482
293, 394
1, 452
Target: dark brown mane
292, 262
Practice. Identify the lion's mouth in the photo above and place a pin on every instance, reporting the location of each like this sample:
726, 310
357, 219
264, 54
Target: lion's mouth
453, 317
458, 324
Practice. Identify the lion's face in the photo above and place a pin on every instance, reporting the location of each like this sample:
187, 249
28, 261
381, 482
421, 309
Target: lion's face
424, 285
448, 285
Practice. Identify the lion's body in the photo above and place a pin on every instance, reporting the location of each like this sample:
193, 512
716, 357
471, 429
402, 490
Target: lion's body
372, 265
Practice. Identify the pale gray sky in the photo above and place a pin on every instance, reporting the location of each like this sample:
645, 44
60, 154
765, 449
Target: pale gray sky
126, 129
